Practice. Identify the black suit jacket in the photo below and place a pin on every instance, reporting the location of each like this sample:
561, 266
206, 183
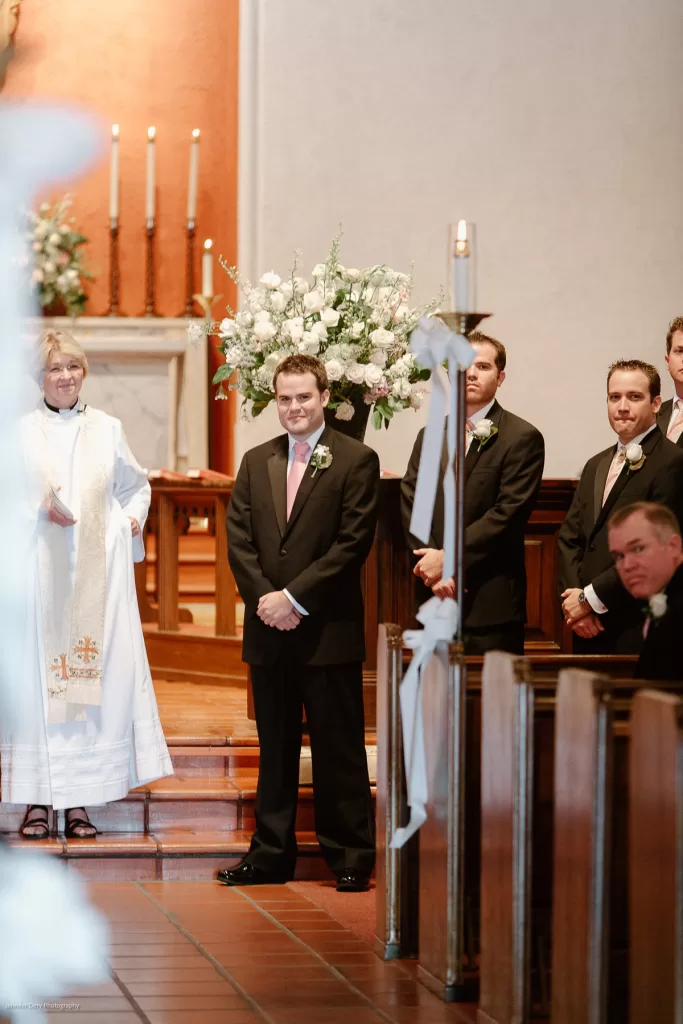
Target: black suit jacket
501, 483
660, 657
663, 417
582, 540
317, 554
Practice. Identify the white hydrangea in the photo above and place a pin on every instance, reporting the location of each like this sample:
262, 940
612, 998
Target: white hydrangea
401, 388
357, 329
270, 280
309, 344
264, 378
378, 357
234, 356
244, 319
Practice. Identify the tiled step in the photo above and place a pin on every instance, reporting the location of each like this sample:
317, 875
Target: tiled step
175, 854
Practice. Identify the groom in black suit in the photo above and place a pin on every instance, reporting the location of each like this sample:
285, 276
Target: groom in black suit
503, 470
301, 522
642, 466
670, 415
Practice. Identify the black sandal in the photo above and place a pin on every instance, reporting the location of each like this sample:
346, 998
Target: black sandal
71, 824
39, 821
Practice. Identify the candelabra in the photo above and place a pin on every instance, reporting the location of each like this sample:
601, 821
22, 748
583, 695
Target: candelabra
113, 267
189, 271
149, 305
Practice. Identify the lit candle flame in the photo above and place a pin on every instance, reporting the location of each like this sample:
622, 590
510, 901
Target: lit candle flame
195, 133
461, 241
114, 131
208, 244
151, 133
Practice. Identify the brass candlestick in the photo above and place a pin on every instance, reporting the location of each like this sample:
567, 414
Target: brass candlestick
113, 267
189, 271
149, 307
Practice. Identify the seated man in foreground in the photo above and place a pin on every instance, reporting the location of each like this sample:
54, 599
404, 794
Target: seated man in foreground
645, 542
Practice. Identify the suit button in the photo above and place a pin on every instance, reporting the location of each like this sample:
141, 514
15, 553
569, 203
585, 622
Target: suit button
591, 547
283, 551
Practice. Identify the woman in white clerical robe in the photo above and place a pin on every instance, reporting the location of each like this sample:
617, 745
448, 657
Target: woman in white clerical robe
87, 726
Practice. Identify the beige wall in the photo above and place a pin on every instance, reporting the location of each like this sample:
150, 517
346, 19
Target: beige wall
555, 127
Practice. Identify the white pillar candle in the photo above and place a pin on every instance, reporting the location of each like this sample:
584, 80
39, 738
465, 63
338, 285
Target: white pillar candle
114, 174
150, 194
461, 269
194, 176
207, 269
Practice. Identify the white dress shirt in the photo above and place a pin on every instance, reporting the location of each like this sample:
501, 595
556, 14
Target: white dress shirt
481, 414
311, 441
598, 606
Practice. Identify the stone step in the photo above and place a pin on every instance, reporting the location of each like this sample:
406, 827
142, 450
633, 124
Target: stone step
240, 758
167, 855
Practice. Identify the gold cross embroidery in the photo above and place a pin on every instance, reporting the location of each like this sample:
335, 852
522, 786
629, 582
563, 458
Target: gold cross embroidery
88, 648
60, 665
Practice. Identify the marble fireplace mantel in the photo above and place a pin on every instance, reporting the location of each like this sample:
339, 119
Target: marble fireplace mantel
145, 371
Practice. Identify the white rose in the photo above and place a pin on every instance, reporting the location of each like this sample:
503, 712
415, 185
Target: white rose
270, 280
309, 344
319, 270
330, 317
278, 302
42, 228
263, 316
72, 274
287, 289
294, 328
313, 302
357, 329
416, 397
356, 373
634, 453
301, 285
351, 275
228, 328
54, 238
233, 356
319, 331
379, 358
62, 282
381, 338
658, 605
335, 370
482, 430
273, 360
264, 331
244, 319
401, 388
345, 411
373, 375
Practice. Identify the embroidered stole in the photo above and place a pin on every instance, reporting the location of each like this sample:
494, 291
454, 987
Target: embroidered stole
73, 612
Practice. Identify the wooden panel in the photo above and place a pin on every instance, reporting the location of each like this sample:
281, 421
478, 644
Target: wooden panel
168, 563
583, 734
506, 775
225, 581
656, 858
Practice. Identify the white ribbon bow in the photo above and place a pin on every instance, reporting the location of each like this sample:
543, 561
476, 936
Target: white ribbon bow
440, 621
434, 344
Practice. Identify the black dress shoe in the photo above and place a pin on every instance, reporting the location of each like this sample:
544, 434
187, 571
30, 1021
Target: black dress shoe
353, 881
247, 874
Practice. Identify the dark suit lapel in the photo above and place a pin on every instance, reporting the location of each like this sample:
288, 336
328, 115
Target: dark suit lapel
476, 450
277, 471
664, 415
600, 481
310, 479
649, 444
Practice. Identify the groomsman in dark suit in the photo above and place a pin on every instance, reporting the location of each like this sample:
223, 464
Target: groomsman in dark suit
301, 522
503, 470
645, 543
642, 466
670, 415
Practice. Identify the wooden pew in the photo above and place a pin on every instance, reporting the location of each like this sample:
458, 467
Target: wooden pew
506, 777
582, 835
656, 858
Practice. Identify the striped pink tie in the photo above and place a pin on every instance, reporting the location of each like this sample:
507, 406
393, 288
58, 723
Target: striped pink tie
614, 472
676, 426
469, 426
296, 472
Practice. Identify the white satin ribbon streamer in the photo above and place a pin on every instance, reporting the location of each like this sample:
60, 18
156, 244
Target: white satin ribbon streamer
440, 620
433, 344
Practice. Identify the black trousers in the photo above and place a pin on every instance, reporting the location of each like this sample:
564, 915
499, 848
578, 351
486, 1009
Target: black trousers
509, 637
344, 821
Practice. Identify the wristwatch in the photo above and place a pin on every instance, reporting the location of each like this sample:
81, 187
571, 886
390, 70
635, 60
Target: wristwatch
582, 597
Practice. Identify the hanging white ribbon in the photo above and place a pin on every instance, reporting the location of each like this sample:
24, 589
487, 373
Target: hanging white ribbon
433, 345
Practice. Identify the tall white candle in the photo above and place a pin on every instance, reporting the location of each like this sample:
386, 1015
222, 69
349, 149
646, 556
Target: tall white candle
207, 269
194, 176
461, 269
150, 194
114, 174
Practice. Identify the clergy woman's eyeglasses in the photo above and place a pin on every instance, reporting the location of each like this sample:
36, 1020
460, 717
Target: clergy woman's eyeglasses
57, 371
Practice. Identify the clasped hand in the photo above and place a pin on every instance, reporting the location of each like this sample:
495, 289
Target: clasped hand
430, 570
275, 609
579, 614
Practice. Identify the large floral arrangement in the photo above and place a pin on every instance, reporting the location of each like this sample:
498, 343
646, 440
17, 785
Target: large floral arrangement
358, 322
58, 267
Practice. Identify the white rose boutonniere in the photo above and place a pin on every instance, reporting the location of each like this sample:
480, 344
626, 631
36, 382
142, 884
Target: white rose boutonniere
633, 457
657, 605
483, 431
321, 458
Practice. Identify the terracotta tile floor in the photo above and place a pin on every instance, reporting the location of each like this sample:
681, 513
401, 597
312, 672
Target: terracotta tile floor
200, 953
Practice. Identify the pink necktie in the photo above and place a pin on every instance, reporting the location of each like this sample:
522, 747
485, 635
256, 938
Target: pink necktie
614, 472
676, 426
296, 472
469, 425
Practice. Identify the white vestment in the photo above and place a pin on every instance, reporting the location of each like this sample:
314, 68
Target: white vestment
120, 744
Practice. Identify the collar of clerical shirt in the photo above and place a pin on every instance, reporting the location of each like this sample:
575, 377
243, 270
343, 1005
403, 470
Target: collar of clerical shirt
73, 410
